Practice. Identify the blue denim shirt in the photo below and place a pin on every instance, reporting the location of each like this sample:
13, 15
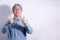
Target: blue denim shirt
17, 30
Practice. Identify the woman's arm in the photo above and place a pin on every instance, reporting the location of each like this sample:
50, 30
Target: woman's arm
5, 28
28, 28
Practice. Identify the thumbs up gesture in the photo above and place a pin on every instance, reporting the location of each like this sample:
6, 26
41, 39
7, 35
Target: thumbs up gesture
10, 21
24, 20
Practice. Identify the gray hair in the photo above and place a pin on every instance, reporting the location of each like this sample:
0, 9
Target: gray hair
15, 6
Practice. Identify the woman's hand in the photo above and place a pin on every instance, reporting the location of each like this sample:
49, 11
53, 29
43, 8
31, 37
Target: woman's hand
24, 20
10, 21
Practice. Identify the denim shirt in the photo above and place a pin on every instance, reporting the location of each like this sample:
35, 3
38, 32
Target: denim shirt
17, 30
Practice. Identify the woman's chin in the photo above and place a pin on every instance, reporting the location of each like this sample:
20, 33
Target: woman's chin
18, 15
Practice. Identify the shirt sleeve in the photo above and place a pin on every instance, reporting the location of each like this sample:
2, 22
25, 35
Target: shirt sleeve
5, 28
28, 28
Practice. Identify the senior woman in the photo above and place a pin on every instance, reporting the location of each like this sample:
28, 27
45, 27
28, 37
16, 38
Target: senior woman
17, 27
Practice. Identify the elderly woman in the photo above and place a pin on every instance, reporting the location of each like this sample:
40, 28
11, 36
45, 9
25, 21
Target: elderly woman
17, 27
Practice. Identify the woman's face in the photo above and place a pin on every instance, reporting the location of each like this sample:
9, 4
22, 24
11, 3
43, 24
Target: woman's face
17, 11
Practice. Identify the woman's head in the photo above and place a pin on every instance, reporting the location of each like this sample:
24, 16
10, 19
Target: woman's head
17, 10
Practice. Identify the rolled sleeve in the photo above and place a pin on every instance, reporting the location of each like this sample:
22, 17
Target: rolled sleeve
28, 28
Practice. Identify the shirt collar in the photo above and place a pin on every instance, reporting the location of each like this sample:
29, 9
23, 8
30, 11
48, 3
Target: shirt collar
17, 18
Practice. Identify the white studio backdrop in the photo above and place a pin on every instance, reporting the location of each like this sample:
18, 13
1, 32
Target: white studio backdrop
42, 15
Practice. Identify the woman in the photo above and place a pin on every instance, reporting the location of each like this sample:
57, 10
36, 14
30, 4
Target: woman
17, 27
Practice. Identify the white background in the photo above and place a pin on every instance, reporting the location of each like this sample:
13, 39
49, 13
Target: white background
42, 15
